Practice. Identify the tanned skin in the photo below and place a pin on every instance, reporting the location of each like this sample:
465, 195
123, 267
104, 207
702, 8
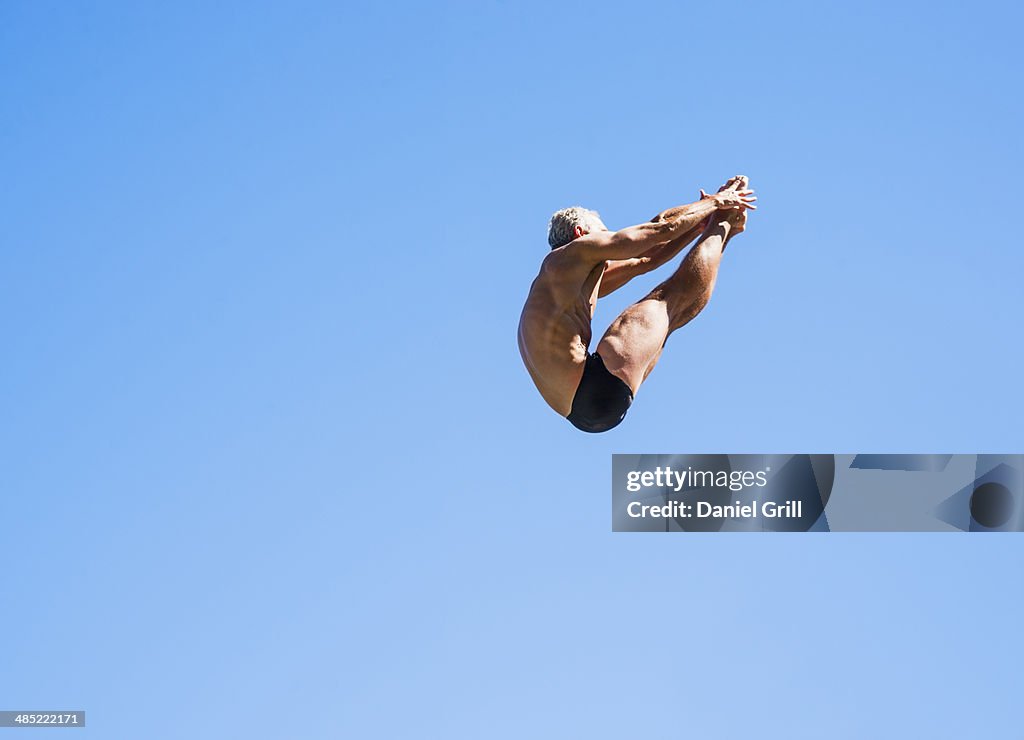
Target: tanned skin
554, 329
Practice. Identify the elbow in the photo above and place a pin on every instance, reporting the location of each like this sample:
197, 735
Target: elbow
643, 265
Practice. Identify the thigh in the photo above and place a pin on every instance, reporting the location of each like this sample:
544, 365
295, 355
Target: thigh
633, 343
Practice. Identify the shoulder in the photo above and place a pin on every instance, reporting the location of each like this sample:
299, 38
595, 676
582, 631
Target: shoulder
585, 251
567, 268
562, 276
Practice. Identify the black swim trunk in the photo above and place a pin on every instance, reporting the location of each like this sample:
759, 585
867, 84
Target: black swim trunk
601, 400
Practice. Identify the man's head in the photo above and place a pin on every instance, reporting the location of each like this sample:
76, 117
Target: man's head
572, 223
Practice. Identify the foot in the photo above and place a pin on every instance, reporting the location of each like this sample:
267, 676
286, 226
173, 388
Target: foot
737, 221
740, 182
736, 193
736, 218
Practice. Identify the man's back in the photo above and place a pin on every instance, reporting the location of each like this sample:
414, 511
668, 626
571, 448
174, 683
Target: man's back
554, 329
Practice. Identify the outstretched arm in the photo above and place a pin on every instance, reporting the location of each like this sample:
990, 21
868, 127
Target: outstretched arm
619, 272
637, 241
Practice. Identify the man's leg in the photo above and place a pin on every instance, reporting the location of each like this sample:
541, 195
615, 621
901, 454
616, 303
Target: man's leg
633, 343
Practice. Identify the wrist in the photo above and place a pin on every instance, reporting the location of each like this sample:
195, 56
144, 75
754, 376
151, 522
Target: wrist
717, 201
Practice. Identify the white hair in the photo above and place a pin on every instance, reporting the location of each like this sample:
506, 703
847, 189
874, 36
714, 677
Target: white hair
562, 228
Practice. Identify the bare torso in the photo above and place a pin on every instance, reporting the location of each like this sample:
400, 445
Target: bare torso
554, 329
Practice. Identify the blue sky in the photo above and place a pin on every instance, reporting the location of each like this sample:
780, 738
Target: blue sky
270, 465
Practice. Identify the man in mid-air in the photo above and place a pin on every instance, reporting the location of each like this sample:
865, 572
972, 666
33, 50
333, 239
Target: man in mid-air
587, 261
